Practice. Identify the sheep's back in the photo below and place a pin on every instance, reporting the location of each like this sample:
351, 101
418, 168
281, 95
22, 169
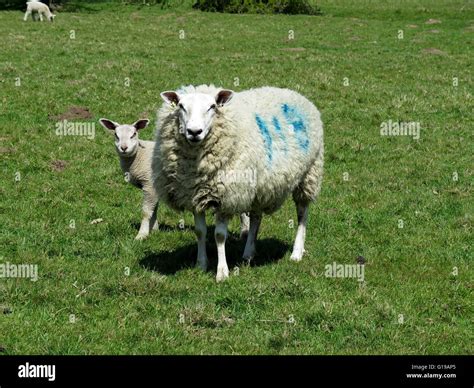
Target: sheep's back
281, 135
261, 146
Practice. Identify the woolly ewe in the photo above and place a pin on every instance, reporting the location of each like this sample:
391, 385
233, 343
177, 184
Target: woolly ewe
237, 152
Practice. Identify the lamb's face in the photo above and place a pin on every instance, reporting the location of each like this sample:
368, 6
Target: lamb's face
196, 112
126, 136
126, 140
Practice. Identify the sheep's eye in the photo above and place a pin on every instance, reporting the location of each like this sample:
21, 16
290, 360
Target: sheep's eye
135, 134
116, 137
181, 107
213, 106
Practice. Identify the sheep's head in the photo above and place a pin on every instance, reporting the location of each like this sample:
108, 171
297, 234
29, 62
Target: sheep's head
196, 111
51, 18
126, 138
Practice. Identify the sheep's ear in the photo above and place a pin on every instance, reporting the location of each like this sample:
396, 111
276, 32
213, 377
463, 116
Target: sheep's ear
224, 96
170, 97
108, 124
140, 124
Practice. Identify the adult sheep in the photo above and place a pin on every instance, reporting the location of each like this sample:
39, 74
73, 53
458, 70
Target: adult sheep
234, 153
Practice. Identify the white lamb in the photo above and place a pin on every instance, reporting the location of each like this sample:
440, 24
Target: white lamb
40, 8
135, 159
237, 152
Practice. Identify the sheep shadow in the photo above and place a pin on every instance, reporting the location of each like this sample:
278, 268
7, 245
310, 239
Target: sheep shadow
269, 250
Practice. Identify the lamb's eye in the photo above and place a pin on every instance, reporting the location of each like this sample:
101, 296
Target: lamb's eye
135, 134
213, 106
181, 107
116, 137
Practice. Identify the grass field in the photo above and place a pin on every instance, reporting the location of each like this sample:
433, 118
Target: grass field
363, 63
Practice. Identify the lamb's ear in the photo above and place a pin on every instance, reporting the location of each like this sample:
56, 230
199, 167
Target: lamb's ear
224, 96
108, 124
170, 97
140, 124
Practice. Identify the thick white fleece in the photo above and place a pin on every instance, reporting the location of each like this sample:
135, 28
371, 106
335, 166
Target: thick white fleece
276, 135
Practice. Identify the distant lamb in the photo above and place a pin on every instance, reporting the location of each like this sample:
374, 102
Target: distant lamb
39, 8
234, 153
135, 159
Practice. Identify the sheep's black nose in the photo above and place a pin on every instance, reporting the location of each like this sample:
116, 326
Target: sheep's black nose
124, 148
194, 132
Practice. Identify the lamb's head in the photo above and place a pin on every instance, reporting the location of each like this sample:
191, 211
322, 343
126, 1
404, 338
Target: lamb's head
196, 111
126, 138
51, 17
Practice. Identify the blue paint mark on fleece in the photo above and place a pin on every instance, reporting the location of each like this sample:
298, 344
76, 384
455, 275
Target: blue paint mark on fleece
297, 121
277, 126
267, 138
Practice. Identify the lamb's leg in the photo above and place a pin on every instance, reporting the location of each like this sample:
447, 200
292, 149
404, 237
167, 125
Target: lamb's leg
41, 16
27, 13
148, 208
244, 225
154, 221
249, 251
220, 235
200, 229
153, 199
298, 247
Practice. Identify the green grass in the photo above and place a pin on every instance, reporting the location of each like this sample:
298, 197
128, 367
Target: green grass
167, 306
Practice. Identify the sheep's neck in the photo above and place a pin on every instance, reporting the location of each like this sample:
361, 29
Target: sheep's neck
127, 161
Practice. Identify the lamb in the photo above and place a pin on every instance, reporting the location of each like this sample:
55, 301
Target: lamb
234, 153
39, 8
135, 159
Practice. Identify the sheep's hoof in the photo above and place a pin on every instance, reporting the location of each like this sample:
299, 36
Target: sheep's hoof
222, 274
202, 266
248, 259
140, 237
297, 256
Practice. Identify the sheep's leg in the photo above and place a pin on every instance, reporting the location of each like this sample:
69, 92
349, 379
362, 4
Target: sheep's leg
244, 225
298, 247
154, 221
200, 229
27, 13
41, 16
148, 208
249, 251
220, 235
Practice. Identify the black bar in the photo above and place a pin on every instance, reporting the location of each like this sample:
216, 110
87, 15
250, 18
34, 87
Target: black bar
380, 371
